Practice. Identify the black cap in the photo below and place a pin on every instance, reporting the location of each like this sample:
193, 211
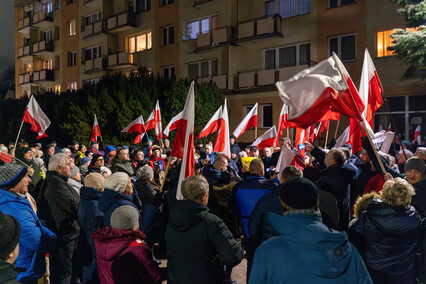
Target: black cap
254, 147
298, 193
10, 232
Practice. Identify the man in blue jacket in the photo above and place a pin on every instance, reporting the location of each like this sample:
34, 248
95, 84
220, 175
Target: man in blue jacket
306, 250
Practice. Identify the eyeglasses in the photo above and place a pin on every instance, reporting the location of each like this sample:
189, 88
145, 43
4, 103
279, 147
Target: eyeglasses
101, 159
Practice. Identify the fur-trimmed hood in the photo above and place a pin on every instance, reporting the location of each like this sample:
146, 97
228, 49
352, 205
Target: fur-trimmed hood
362, 202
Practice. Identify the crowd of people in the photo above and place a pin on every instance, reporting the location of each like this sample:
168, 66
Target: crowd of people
107, 213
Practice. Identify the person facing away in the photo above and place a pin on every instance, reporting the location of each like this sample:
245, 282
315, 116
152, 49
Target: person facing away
10, 232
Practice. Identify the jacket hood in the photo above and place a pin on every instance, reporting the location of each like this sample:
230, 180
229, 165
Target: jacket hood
112, 242
362, 202
330, 250
185, 214
89, 193
109, 196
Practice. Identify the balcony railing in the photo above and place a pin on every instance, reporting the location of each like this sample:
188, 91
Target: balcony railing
41, 18
221, 81
121, 22
93, 65
25, 78
43, 75
120, 59
260, 28
215, 38
94, 29
43, 46
24, 24
24, 51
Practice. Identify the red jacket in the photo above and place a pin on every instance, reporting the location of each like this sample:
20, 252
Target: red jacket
124, 257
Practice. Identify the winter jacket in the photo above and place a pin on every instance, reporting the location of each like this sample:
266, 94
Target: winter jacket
151, 204
419, 199
124, 257
118, 165
8, 273
197, 244
386, 238
35, 241
245, 194
307, 252
235, 148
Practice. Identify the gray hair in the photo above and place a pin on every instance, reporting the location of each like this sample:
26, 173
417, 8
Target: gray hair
2, 148
194, 187
57, 160
66, 151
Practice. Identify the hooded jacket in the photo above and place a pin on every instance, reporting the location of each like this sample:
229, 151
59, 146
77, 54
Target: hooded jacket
124, 257
307, 252
118, 165
419, 199
197, 244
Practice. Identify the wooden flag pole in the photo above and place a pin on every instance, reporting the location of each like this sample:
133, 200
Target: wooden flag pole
326, 138
255, 133
288, 132
17, 137
165, 174
337, 128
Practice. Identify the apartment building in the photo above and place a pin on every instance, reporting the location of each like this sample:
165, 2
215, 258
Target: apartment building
242, 46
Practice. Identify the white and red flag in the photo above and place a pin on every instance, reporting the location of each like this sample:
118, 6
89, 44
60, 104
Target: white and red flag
173, 124
213, 125
36, 117
222, 143
300, 139
383, 140
417, 136
343, 139
322, 126
96, 131
288, 158
183, 146
315, 94
138, 126
154, 121
282, 123
6, 158
267, 139
248, 122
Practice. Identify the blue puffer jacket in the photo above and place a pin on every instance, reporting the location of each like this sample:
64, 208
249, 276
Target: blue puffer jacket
35, 241
307, 252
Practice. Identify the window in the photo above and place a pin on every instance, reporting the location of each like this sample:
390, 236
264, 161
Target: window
26, 41
266, 115
72, 86
92, 53
343, 46
140, 42
168, 71
141, 5
337, 3
48, 7
166, 2
384, 41
72, 27
93, 18
72, 58
91, 81
48, 64
290, 8
48, 35
193, 29
168, 35
48, 90
286, 56
202, 69
269, 8
57, 89
247, 109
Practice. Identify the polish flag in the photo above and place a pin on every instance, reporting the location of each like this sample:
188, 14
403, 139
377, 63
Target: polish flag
36, 117
248, 122
316, 93
137, 125
300, 140
213, 125
282, 124
173, 124
417, 137
6, 158
267, 139
310, 132
150, 122
322, 126
288, 158
183, 146
96, 130
343, 139
222, 144
154, 121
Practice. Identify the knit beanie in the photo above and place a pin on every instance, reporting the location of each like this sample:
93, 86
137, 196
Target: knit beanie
415, 163
11, 175
95, 158
94, 180
117, 182
109, 149
124, 218
144, 172
10, 231
298, 193
84, 160
74, 171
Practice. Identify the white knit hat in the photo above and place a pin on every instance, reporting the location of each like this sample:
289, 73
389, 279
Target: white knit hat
117, 182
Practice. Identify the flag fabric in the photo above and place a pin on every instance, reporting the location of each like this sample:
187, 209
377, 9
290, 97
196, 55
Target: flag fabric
6, 158
173, 124
343, 139
222, 143
96, 131
322, 126
137, 125
383, 140
212, 125
282, 123
36, 117
96, 151
287, 158
310, 133
417, 137
150, 121
267, 139
183, 146
249, 121
315, 94
300, 140
157, 118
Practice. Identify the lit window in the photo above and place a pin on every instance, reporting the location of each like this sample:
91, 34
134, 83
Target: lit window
344, 46
48, 7
202, 69
287, 56
72, 28
48, 64
72, 86
193, 29
168, 35
57, 89
140, 42
384, 41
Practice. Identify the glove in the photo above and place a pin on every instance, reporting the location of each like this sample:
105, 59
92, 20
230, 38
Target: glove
42, 174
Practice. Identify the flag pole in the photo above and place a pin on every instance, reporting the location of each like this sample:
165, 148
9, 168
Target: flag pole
255, 133
337, 128
17, 137
165, 174
288, 131
326, 138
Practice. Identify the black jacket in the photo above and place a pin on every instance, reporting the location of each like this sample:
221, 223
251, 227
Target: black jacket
419, 199
8, 273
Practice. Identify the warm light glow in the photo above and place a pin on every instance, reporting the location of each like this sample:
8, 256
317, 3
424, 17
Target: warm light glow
384, 40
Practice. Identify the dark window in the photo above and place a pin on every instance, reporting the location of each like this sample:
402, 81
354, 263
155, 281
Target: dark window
348, 47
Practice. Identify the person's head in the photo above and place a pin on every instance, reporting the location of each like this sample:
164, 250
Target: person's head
3, 149
257, 167
421, 153
28, 154
267, 152
95, 145
196, 188
364, 157
298, 193
125, 217
200, 143
233, 155
401, 156
119, 182
145, 173
232, 140
75, 173
75, 145
397, 192
50, 149
95, 180
289, 172
347, 152
97, 161
53, 142
85, 161
39, 153
208, 149
166, 143
221, 163
105, 172
138, 155
89, 154
414, 170
334, 157
82, 148
254, 151
61, 164
33, 150
406, 145
14, 177
123, 154
10, 232
66, 151
156, 152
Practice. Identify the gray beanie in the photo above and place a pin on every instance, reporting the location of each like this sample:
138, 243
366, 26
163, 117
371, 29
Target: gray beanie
124, 218
117, 182
94, 180
11, 175
144, 172
74, 171
415, 163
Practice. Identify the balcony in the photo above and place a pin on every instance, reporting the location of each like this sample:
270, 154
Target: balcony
42, 19
215, 38
259, 28
120, 60
121, 22
24, 79
93, 30
43, 47
92, 3
200, 2
24, 51
43, 76
94, 65
24, 25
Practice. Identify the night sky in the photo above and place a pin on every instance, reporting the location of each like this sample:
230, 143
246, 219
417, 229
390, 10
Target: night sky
7, 35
